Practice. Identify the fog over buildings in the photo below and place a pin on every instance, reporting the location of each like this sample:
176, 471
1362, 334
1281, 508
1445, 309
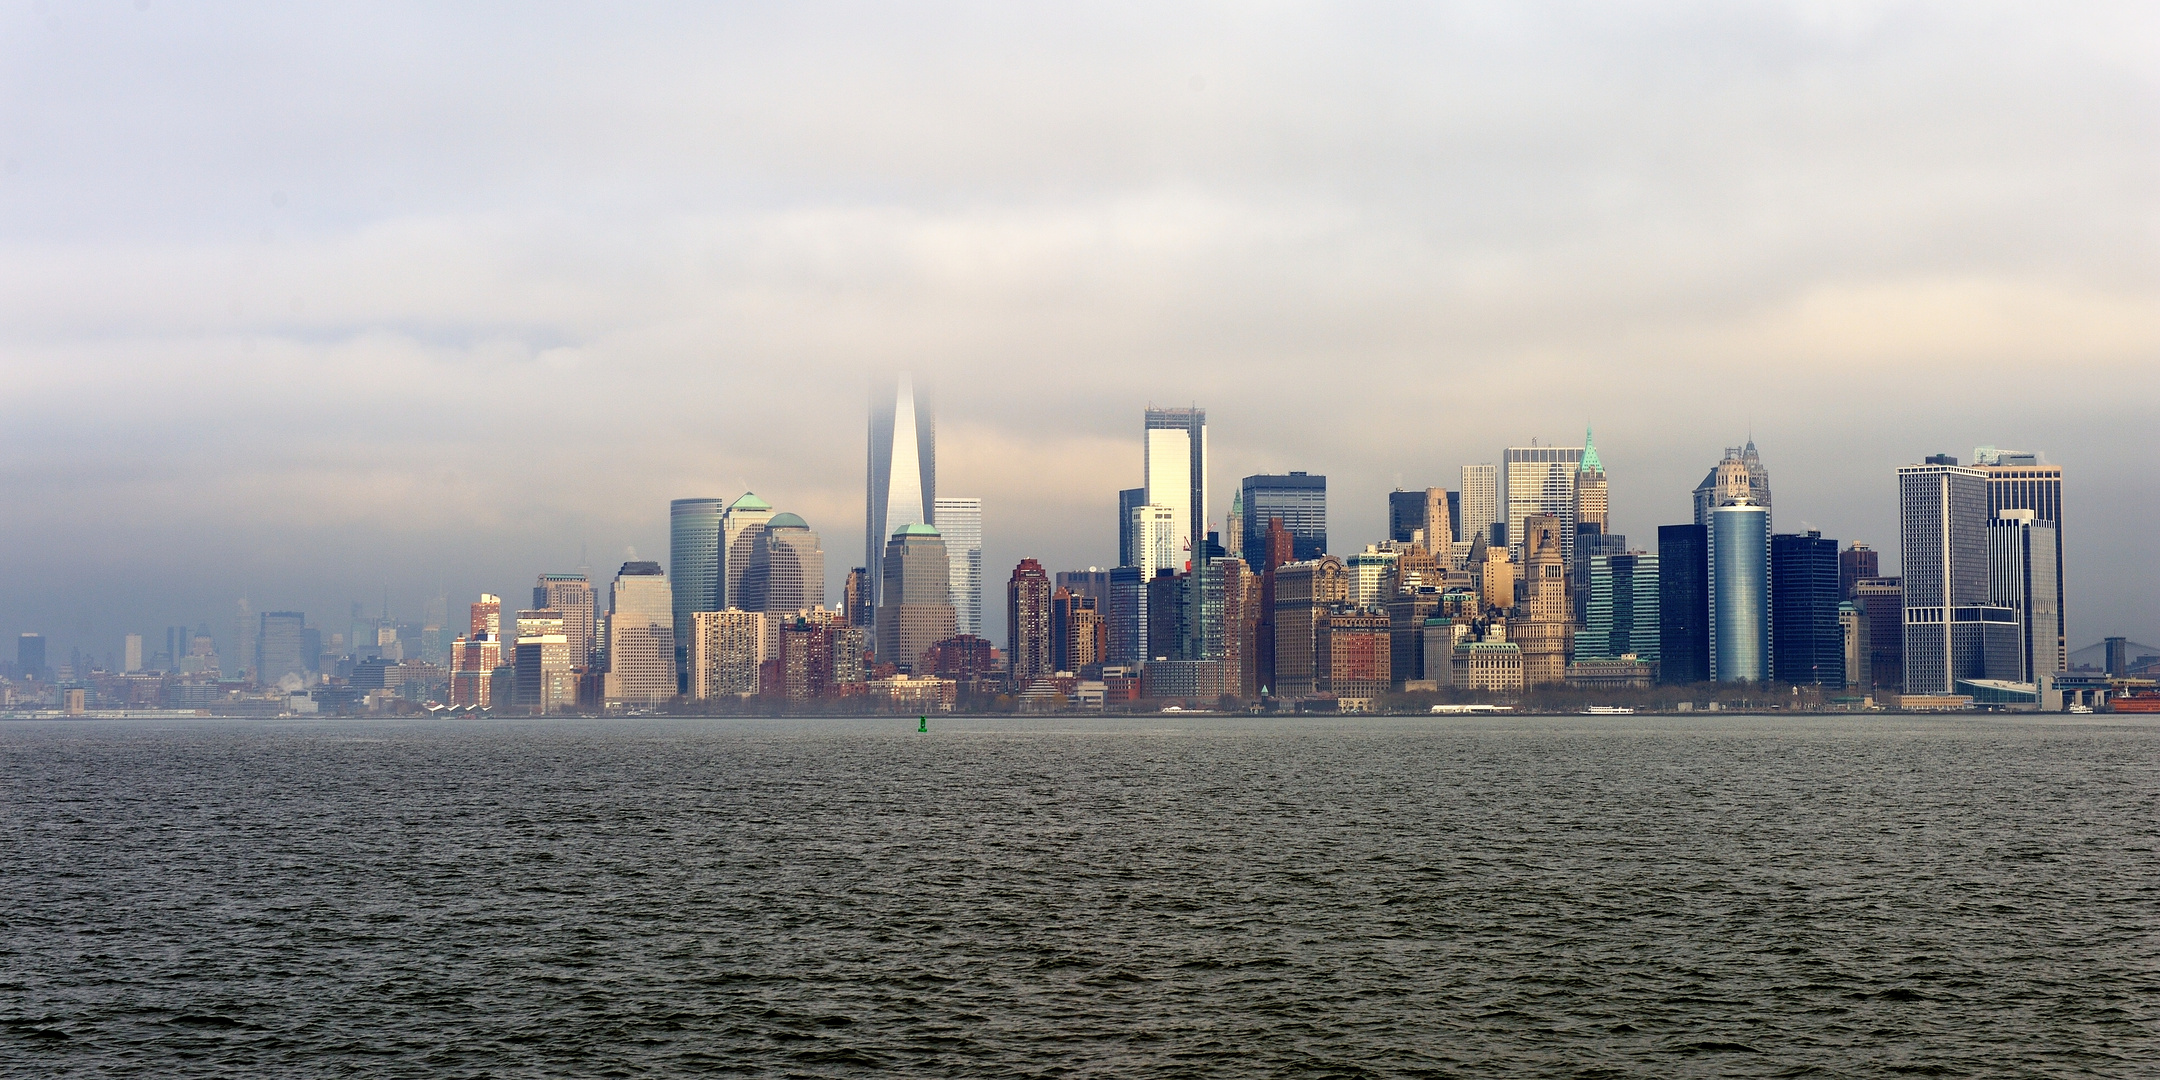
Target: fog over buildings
315, 307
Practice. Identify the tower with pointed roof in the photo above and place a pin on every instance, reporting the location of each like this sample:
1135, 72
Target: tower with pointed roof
902, 486
1591, 506
741, 529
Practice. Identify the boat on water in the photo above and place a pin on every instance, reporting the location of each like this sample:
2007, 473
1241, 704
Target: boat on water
2079, 710
2135, 703
1608, 710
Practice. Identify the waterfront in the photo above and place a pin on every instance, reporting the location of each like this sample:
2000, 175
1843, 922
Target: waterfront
1223, 896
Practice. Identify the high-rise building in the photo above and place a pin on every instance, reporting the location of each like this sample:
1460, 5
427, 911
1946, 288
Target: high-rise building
1854, 563
903, 472
572, 594
742, 530
1176, 474
244, 630
1544, 622
787, 569
960, 522
1952, 632
1234, 526
1740, 477
1154, 534
1354, 657
1480, 502
641, 636
1882, 603
131, 653
1624, 616
2020, 480
30, 656
544, 675
1808, 644
1541, 480
1029, 648
1405, 515
1592, 504
2022, 557
915, 608
1299, 500
1739, 588
1125, 622
487, 618
280, 647
473, 661
726, 648
1304, 592
694, 563
1853, 632
1128, 500
855, 597
1078, 633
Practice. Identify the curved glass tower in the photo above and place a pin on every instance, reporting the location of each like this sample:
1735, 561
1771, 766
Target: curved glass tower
693, 564
1739, 537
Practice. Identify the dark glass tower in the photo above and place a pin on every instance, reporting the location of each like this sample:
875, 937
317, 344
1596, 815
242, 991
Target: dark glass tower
1300, 500
1683, 604
1804, 595
1405, 515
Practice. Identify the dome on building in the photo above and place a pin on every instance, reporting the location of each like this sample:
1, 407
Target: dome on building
787, 521
915, 529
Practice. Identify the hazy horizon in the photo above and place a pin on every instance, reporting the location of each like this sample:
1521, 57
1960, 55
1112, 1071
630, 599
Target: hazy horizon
304, 304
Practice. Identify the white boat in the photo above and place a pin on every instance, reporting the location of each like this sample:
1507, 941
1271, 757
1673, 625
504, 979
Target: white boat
2080, 710
1608, 710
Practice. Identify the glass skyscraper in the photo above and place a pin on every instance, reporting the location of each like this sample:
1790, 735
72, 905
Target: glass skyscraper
1176, 474
902, 485
2023, 554
1683, 605
1299, 499
1952, 632
1804, 600
1739, 564
693, 564
1622, 616
1541, 480
959, 521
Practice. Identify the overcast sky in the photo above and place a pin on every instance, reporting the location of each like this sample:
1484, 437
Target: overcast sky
303, 303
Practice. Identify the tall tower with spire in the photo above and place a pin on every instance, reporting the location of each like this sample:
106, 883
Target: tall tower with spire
1591, 505
902, 486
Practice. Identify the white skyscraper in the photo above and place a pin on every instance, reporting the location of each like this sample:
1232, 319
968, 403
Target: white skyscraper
1480, 500
1155, 532
641, 636
959, 521
902, 488
1541, 480
1176, 475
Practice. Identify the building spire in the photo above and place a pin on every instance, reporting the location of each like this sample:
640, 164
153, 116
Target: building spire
1590, 462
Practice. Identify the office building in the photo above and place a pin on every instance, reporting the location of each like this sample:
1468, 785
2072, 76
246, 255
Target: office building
1855, 563
2022, 558
1126, 618
855, 597
1029, 648
1128, 500
1952, 631
1541, 481
572, 594
1304, 591
641, 636
2019, 480
245, 628
1881, 601
1299, 500
1234, 526
1355, 657
960, 522
1176, 475
1480, 501
903, 473
915, 598
726, 650
1592, 503
473, 661
1808, 644
1154, 544
1739, 477
131, 653
280, 647
1078, 632
693, 563
545, 677
742, 529
1544, 622
1739, 588
1405, 515
1421, 517
1624, 615
486, 620
787, 569
1853, 633
1369, 576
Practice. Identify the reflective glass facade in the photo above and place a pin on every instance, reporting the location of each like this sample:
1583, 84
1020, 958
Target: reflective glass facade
1739, 594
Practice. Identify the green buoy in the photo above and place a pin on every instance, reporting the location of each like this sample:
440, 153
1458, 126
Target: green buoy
925, 725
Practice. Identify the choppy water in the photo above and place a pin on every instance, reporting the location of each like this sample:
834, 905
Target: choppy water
1629, 896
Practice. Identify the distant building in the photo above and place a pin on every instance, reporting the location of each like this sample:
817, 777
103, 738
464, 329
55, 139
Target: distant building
1154, 534
1176, 475
1853, 634
693, 563
1808, 646
1369, 576
1129, 500
1480, 502
473, 661
1854, 564
131, 653
1126, 618
1541, 481
1304, 592
1030, 648
1739, 478
1405, 514
915, 607
855, 597
726, 649
1234, 526
1952, 631
1299, 500
787, 569
572, 595
2023, 554
1544, 622
960, 522
1354, 654
1881, 601
902, 488
641, 636
1492, 666
1078, 634
281, 648
546, 679
2019, 480
1624, 616
742, 532
1739, 588
1592, 502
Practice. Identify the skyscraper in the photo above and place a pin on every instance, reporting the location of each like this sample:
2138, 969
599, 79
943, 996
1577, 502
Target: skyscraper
544, 680
1952, 632
30, 656
1154, 533
1854, 563
742, 529
903, 472
1176, 473
916, 609
1739, 588
1480, 501
1405, 514
1544, 622
131, 653
1299, 500
855, 597
1592, 504
693, 563
2020, 480
2022, 557
279, 648
1882, 604
572, 594
960, 522
1304, 593
1739, 477
1234, 526
1809, 644
641, 636
787, 569
1541, 480
487, 617
1128, 500
1624, 616
1029, 650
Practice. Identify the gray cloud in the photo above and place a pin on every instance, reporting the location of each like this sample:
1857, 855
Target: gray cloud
300, 303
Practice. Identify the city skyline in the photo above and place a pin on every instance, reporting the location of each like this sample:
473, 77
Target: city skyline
457, 332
